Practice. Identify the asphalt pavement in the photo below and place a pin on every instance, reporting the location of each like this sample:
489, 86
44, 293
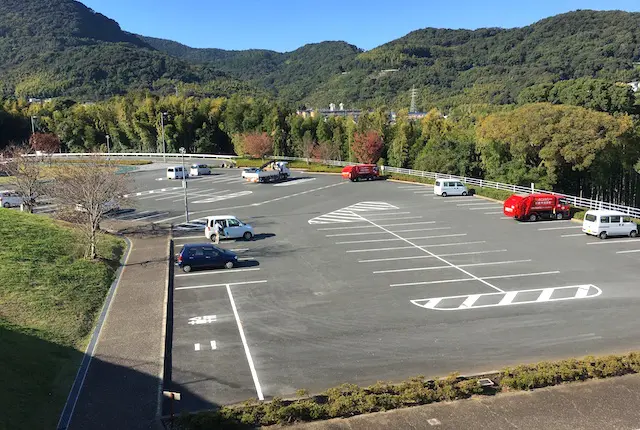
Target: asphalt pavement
368, 281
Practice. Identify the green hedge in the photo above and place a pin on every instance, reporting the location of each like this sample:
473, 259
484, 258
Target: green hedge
481, 191
580, 213
349, 400
114, 160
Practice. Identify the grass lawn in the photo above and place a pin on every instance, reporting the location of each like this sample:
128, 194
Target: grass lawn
49, 300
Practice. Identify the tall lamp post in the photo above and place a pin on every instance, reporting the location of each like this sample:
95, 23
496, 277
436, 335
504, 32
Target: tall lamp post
108, 151
163, 115
184, 185
33, 125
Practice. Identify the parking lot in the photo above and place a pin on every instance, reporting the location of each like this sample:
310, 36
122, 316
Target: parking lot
360, 282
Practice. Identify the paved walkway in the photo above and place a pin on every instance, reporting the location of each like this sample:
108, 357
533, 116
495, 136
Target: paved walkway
121, 387
611, 404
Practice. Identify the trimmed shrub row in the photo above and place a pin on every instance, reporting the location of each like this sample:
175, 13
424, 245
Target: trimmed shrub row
115, 160
312, 167
581, 213
348, 400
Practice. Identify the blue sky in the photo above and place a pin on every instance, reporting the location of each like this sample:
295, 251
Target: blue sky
284, 25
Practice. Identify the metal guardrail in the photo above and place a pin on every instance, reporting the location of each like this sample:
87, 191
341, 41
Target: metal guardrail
576, 201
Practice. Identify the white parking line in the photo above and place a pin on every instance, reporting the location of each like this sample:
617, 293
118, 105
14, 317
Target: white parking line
189, 237
422, 229
481, 208
476, 204
606, 242
493, 213
370, 226
222, 272
390, 213
419, 269
560, 228
152, 216
254, 374
560, 221
572, 235
412, 247
375, 260
400, 231
294, 182
409, 187
440, 258
453, 199
423, 192
628, 252
398, 238
196, 287
445, 281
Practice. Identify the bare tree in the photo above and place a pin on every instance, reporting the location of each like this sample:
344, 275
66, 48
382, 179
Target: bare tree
86, 192
28, 175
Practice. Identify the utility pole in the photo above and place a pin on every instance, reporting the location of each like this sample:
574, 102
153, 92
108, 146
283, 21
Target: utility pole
184, 185
33, 126
414, 93
163, 115
108, 151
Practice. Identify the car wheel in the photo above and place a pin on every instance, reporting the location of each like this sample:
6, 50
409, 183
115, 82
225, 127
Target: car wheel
634, 233
603, 235
559, 215
533, 217
247, 235
228, 265
186, 269
464, 193
6, 205
444, 194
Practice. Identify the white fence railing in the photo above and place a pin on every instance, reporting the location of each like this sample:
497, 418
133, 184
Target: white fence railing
573, 200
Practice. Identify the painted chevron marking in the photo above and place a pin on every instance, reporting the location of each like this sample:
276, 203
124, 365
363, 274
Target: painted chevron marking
508, 298
348, 214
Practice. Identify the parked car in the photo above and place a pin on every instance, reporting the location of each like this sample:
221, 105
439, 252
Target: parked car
231, 228
10, 199
449, 187
199, 170
205, 255
176, 172
604, 223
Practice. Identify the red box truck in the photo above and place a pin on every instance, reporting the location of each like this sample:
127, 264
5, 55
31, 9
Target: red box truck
361, 171
536, 206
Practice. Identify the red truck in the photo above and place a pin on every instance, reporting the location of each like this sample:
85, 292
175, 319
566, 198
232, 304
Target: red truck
536, 206
361, 171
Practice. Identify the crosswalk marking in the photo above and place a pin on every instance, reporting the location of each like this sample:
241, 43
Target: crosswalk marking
508, 298
350, 213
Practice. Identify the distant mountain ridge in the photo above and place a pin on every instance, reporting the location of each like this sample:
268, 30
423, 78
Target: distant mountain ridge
62, 48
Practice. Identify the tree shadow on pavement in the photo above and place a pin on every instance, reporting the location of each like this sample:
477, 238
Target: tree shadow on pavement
37, 376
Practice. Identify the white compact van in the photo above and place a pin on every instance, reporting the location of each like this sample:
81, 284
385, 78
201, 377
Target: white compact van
175, 172
9, 199
230, 228
449, 187
604, 223
199, 169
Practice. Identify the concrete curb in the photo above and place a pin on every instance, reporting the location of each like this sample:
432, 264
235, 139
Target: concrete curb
76, 388
163, 342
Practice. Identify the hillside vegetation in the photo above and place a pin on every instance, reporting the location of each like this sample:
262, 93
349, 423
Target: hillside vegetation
53, 48
49, 299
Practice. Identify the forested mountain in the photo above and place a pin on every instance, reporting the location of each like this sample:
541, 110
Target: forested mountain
51, 48
54, 48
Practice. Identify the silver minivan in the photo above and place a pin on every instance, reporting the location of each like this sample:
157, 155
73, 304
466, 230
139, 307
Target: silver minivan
604, 223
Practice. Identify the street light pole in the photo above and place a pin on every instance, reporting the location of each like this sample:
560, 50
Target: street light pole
164, 146
108, 151
184, 185
33, 126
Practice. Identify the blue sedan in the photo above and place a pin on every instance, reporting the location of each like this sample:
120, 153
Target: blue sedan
205, 255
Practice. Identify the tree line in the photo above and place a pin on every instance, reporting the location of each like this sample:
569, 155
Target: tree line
567, 148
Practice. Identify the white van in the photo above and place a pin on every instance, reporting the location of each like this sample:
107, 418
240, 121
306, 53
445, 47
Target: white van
199, 169
10, 199
603, 223
231, 228
449, 187
175, 172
